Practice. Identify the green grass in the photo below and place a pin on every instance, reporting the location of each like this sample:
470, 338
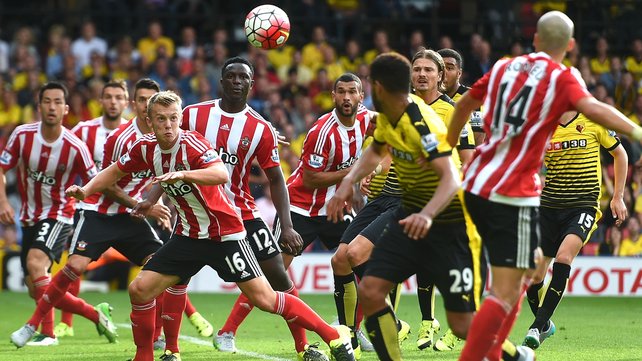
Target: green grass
587, 329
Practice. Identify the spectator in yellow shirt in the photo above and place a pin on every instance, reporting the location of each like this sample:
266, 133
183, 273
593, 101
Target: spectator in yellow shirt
636, 115
381, 46
149, 45
633, 63
600, 63
632, 244
352, 59
311, 55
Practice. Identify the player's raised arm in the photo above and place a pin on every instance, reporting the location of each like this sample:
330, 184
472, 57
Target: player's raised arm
463, 108
608, 117
101, 181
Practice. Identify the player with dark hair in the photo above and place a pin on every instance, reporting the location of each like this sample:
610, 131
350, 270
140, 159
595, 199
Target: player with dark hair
209, 231
526, 97
570, 209
241, 135
49, 159
410, 130
454, 89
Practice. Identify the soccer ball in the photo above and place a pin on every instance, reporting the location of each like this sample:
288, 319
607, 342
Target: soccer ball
267, 27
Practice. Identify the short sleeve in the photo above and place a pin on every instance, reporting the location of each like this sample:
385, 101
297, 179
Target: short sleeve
315, 150
85, 164
571, 87
201, 154
607, 138
133, 160
267, 152
435, 144
11, 153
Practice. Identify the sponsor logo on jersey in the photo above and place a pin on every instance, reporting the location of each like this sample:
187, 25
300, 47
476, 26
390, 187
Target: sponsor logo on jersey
316, 161
5, 158
245, 143
567, 144
142, 174
350, 161
176, 190
209, 156
225, 127
429, 142
228, 158
124, 159
275, 155
44, 155
400, 154
476, 119
41, 177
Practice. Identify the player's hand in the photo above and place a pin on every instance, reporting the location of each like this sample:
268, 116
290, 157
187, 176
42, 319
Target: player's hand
618, 208
423, 162
364, 185
416, 225
281, 138
169, 178
358, 201
76, 191
291, 241
7, 214
142, 209
160, 213
334, 208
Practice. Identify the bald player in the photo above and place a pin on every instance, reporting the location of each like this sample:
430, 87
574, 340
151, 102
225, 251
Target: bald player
523, 98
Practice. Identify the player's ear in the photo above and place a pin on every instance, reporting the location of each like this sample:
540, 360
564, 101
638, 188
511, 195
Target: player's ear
66, 109
571, 45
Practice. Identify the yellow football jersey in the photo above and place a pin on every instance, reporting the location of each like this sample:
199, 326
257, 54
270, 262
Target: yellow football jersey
444, 106
418, 133
572, 161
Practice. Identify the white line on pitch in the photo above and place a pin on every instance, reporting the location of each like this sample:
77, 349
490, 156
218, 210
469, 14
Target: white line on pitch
198, 341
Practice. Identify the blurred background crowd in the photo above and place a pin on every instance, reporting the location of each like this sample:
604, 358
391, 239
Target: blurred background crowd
182, 44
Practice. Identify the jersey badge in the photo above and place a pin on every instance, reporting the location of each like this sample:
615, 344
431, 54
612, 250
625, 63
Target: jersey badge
275, 155
61, 167
612, 133
5, 158
316, 161
124, 159
82, 245
245, 143
580, 127
429, 142
209, 156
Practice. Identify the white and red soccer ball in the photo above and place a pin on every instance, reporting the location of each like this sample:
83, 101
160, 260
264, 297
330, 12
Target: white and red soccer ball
267, 27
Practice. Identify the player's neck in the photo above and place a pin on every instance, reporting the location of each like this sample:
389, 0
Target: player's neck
229, 106
454, 90
111, 123
429, 96
142, 125
346, 121
50, 133
394, 107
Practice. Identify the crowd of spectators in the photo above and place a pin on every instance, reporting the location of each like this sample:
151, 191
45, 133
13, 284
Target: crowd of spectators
293, 84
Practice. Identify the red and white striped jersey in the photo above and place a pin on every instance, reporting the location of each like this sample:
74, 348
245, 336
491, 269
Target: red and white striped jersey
94, 133
45, 170
523, 99
204, 212
329, 146
239, 138
117, 144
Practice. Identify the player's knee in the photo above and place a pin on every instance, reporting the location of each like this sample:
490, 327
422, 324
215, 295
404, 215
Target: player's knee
37, 266
537, 277
138, 293
339, 260
565, 258
355, 256
278, 278
263, 300
78, 263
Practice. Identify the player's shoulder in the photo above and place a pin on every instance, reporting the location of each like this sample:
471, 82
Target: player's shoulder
446, 100
417, 110
462, 89
194, 140
73, 140
201, 105
27, 128
96, 122
324, 122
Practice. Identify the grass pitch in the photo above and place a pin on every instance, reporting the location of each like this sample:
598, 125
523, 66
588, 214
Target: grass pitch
587, 329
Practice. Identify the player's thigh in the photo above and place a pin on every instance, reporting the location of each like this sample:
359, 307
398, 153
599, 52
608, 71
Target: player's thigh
580, 222
395, 256
261, 240
94, 234
330, 233
364, 218
305, 226
139, 242
510, 233
44, 242
149, 284
448, 264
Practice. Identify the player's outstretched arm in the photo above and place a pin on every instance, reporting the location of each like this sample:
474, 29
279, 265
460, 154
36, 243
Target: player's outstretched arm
213, 175
7, 213
290, 240
365, 165
463, 108
620, 166
100, 182
416, 225
608, 117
